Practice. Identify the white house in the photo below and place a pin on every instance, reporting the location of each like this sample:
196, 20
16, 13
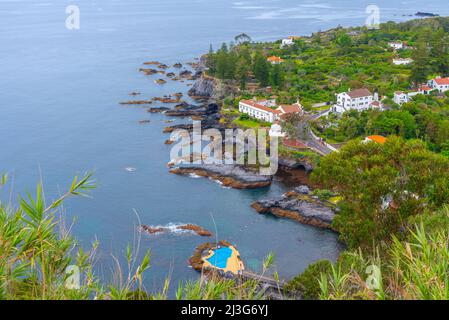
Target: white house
440, 84
402, 62
401, 97
264, 109
396, 45
359, 99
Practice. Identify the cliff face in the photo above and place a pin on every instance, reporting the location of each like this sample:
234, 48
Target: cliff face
211, 88
204, 87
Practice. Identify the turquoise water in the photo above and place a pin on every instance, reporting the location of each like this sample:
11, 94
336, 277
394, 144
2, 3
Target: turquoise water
60, 117
220, 257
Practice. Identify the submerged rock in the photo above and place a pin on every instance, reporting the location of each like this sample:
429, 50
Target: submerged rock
232, 176
299, 207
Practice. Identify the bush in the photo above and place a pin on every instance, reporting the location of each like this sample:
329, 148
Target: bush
307, 282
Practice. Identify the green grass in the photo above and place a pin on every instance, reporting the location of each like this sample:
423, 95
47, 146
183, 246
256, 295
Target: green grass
250, 123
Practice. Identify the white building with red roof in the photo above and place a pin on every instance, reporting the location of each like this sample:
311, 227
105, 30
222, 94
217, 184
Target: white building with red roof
422, 89
440, 84
266, 110
358, 99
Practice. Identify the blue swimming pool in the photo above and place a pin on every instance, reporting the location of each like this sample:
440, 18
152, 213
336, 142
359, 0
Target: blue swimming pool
220, 257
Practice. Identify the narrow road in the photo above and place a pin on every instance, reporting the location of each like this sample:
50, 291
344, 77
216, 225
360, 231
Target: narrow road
306, 135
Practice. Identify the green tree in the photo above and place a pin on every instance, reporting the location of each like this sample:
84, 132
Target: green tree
383, 185
440, 52
261, 69
420, 66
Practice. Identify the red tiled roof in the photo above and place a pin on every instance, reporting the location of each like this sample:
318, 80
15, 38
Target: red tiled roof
290, 108
259, 106
425, 88
275, 59
378, 139
442, 81
358, 93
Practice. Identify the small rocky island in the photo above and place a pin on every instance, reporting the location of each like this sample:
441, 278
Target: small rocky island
173, 228
300, 206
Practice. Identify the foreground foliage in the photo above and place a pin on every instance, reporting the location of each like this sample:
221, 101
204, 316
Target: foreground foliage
381, 186
38, 258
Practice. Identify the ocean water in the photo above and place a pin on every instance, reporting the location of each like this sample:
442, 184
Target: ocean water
59, 116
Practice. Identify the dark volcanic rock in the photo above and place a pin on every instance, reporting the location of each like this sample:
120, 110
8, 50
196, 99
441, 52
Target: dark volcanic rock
203, 87
298, 207
193, 111
302, 189
232, 176
158, 110
294, 164
426, 14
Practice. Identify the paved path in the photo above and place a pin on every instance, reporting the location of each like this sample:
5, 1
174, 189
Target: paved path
306, 135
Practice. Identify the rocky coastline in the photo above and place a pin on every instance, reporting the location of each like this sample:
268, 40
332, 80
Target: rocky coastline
232, 176
300, 206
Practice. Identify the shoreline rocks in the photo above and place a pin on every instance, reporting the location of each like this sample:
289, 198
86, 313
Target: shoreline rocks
200, 231
299, 206
158, 110
136, 102
160, 81
236, 177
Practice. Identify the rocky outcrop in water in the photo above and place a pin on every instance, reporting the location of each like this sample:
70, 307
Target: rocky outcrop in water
299, 206
232, 176
174, 228
137, 102
158, 110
